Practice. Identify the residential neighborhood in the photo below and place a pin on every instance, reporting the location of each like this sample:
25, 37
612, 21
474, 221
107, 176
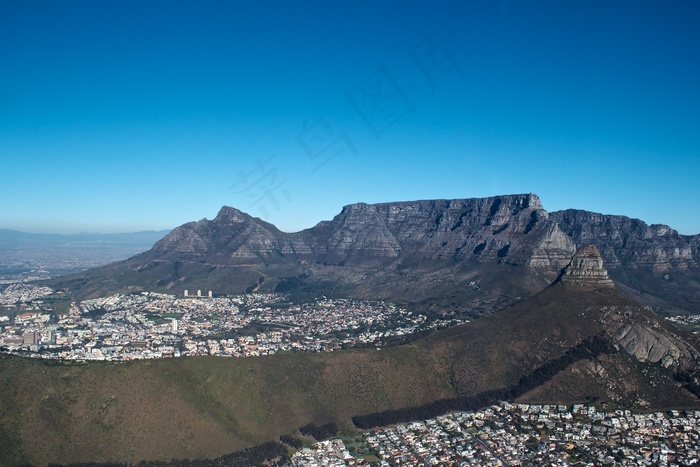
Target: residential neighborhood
521, 434
149, 325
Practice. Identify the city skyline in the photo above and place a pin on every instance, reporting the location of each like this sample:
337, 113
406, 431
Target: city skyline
118, 117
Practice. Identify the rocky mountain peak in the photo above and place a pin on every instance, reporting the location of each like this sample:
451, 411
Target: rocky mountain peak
586, 269
227, 213
532, 201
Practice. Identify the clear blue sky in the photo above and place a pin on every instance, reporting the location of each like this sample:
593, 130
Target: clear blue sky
123, 116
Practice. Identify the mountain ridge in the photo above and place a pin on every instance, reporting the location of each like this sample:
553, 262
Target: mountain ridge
425, 251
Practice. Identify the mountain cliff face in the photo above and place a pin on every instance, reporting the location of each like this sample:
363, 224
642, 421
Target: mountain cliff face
652, 263
504, 228
586, 269
508, 228
423, 252
623, 241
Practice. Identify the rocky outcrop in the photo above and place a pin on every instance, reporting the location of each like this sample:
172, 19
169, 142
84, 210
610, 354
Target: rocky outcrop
555, 249
586, 270
648, 338
649, 345
652, 263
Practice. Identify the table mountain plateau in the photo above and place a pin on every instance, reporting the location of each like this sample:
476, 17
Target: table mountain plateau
422, 252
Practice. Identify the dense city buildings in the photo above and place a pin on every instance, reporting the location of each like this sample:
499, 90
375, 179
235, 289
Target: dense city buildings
521, 434
153, 325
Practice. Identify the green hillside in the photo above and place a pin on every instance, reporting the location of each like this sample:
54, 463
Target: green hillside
208, 406
197, 407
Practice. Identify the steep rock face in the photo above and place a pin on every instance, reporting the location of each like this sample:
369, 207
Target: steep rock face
586, 270
651, 263
647, 344
625, 241
498, 229
358, 232
554, 250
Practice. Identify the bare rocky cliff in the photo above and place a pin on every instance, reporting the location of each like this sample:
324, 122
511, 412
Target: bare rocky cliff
652, 263
502, 228
586, 270
513, 229
624, 241
418, 251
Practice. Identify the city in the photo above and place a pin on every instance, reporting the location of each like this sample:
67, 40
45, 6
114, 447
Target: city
149, 325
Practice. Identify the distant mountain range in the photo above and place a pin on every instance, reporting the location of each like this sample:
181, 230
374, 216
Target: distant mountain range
468, 256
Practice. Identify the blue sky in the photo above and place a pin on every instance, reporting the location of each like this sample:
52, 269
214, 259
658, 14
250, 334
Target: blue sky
124, 116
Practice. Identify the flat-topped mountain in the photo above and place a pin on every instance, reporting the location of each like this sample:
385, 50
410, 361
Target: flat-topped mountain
429, 252
365, 234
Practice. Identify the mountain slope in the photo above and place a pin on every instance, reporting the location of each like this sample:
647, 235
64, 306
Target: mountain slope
204, 407
652, 263
421, 252
581, 304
